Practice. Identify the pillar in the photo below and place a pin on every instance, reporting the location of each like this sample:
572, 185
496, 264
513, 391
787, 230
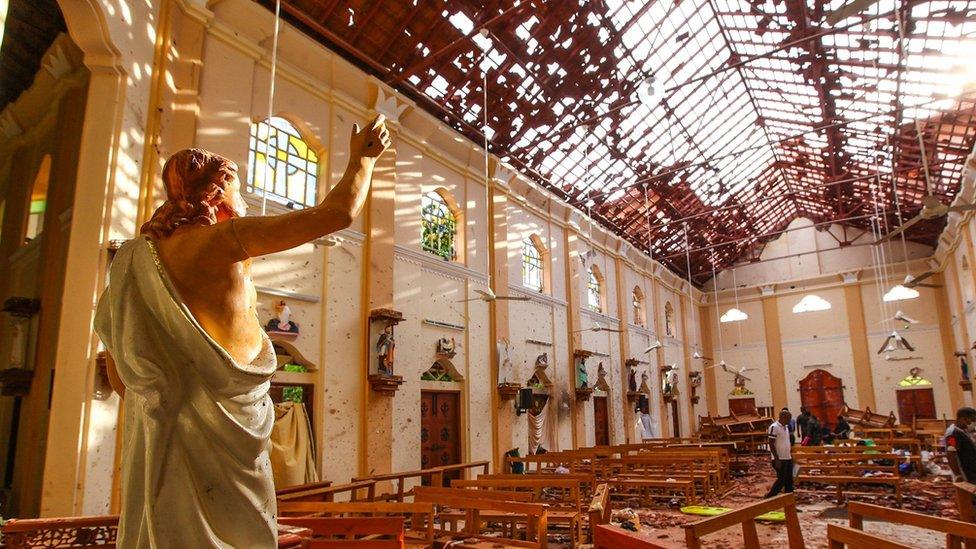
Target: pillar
503, 411
686, 365
573, 323
655, 367
859, 342
774, 347
957, 398
378, 272
630, 417
711, 386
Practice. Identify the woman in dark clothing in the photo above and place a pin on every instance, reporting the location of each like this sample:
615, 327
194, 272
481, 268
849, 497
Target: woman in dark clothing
843, 429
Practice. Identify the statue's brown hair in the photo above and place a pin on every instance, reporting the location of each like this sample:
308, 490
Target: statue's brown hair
195, 182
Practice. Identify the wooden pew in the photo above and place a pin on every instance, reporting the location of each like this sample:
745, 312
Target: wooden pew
608, 536
599, 510
365, 532
535, 514
565, 510
96, 531
867, 419
433, 476
356, 491
587, 480
421, 529
745, 516
302, 487
844, 469
956, 532
840, 536
965, 492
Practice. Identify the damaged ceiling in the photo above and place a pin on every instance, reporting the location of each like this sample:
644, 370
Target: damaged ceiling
728, 118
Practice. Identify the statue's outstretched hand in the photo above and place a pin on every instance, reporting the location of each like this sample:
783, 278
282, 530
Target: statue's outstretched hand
371, 141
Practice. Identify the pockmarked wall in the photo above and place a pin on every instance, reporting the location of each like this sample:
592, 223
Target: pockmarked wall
781, 343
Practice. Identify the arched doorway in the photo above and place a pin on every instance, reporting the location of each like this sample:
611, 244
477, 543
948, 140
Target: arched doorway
822, 394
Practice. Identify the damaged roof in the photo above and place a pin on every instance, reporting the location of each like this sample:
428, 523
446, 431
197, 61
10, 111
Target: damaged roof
727, 119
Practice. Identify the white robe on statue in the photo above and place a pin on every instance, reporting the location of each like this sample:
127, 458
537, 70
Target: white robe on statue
195, 465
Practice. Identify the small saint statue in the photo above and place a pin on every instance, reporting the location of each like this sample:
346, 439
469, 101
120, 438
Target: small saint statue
632, 380
282, 323
385, 351
644, 387
964, 366
582, 378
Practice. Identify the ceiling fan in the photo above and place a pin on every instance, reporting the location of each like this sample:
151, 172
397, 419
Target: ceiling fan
698, 356
932, 207
489, 296
895, 342
654, 346
916, 281
597, 327
736, 372
902, 317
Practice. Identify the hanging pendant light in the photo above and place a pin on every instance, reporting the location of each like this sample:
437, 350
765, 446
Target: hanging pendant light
648, 92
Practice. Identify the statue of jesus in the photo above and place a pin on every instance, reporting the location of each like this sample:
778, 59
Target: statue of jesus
191, 359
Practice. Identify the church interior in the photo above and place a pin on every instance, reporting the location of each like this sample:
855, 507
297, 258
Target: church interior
585, 273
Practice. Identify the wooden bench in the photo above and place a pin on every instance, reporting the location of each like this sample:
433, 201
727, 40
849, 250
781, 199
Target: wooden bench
404, 482
965, 492
840, 536
565, 509
421, 515
509, 505
844, 469
587, 480
866, 418
355, 491
608, 536
303, 487
365, 532
92, 532
956, 531
745, 516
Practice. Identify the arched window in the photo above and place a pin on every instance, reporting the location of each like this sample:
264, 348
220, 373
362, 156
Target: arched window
438, 226
38, 200
531, 265
281, 161
594, 289
668, 319
637, 298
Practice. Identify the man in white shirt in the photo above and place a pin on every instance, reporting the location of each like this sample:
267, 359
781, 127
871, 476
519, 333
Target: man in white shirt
780, 445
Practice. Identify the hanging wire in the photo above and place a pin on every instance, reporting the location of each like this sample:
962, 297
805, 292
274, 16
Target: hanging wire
690, 295
271, 96
718, 324
735, 293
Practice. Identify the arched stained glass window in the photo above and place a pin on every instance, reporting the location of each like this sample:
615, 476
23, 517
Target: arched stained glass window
531, 265
438, 225
594, 290
282, 162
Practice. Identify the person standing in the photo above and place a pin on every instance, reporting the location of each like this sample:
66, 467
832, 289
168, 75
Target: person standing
780, 446
960, 448
801, 423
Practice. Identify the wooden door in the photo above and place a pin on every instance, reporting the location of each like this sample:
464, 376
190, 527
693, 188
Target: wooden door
440, 430
822, 394
742, 406
915, 403
601, 421
675, 423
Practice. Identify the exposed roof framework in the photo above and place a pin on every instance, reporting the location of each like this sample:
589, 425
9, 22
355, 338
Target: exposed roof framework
760, 112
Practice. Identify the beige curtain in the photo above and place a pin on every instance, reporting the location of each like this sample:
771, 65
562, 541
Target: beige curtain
539, 434
292, 450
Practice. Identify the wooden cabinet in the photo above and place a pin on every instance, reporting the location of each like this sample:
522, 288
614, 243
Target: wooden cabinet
822, 394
